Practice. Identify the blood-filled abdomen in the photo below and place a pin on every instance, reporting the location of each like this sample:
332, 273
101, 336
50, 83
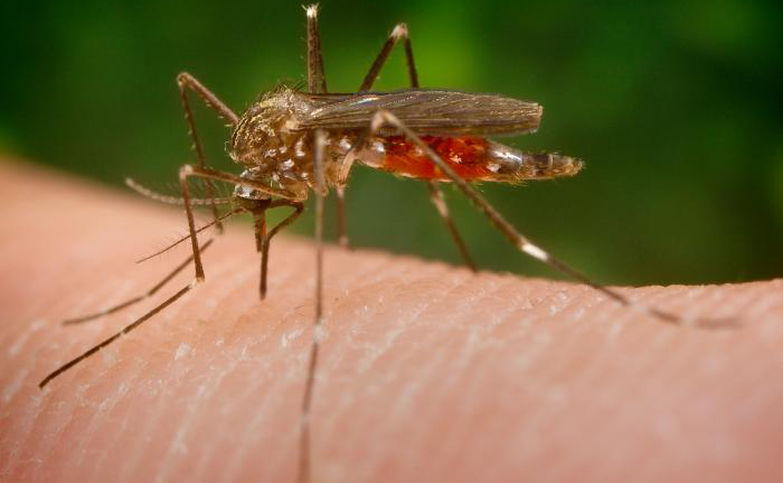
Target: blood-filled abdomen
471, 158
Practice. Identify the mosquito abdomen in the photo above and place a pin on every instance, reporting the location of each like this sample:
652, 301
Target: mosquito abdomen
472, 158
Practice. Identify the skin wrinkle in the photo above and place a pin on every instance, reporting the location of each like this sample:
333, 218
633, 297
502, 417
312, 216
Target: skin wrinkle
423, 346
239, 456
225, 410
116, 442
705, 399
153, 424
234, 468
203, 452
96, 412
139, 369
375, 309
411, 313
218, 269
401, 324
210, 443
241, 452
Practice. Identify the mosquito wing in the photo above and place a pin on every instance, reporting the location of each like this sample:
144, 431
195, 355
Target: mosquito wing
426, 111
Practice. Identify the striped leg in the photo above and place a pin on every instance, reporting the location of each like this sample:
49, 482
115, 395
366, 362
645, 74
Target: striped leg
188, 171
264, 238
316, 83
316, 78
400, 33
436, 195
312, 368
386, 118
127, 328
187, 82
149, 293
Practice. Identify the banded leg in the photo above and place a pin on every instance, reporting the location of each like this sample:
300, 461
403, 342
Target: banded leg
320, 184
386, 118
266, 238
125, 330
400, 32
186, 81
437, 198
188, 171
316, 78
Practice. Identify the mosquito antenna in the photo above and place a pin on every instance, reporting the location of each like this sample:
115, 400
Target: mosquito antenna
384, 118
124, 331
173, 200
186, 237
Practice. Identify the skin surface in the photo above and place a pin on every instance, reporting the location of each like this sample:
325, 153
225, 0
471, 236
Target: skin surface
429, 373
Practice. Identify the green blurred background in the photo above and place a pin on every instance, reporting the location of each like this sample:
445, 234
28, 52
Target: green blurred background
674, 105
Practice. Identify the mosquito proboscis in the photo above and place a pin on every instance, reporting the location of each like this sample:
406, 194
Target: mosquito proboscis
291, 143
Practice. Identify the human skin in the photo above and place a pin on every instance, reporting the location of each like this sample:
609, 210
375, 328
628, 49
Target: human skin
428, 372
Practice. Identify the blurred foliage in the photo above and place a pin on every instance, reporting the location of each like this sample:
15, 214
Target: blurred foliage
674, 105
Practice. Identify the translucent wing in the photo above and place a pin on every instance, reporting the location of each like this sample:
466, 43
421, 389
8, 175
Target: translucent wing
426, 111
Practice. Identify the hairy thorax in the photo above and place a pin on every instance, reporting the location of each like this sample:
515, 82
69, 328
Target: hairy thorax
268, 142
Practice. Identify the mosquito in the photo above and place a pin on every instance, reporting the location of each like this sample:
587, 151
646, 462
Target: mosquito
291, 142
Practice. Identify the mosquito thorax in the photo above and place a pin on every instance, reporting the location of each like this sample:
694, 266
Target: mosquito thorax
267, 134
266, 141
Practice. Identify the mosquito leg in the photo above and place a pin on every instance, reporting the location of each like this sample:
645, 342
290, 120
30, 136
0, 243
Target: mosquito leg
342, 233
186, 81
304, 435
259, 225
400, 32
386, 118
436, 195
160, 285
316, 83
126, 329
267, 238
149, 293
316, 79
187, 171
259, 221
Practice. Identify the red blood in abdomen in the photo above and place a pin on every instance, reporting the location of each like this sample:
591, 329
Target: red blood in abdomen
466, 155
